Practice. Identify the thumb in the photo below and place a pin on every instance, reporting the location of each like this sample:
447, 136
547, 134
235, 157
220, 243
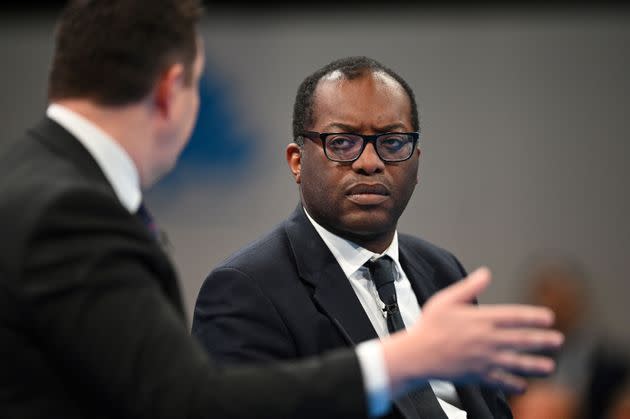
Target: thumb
467, 289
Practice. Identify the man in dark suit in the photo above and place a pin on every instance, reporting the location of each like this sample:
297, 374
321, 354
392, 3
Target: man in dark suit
337, 273
91, 319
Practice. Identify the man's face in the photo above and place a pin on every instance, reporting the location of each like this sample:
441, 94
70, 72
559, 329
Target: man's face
365, 197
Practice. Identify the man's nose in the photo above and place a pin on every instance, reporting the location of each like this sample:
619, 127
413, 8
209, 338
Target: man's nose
368, 162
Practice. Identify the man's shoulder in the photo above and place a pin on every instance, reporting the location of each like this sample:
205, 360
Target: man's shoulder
434, 255
267, 252
39, 188
34, 177
421, 245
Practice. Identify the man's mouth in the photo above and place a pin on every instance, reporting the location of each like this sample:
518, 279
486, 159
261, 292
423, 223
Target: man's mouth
368, 194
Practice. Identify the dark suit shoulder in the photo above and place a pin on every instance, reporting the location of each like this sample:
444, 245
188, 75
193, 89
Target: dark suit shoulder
32, 173
421, 244
258, 254
433, 254
40, 189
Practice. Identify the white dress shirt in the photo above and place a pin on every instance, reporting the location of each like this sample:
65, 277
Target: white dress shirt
351, 258
113, 160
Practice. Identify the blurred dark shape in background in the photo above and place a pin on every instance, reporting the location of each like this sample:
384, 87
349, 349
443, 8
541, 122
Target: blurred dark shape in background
357, 5
592, 372
621, 409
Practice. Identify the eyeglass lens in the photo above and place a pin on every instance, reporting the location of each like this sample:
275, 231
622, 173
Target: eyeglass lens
390, 147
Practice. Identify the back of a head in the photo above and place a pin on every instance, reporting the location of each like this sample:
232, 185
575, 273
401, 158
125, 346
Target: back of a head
112, 51
351, 68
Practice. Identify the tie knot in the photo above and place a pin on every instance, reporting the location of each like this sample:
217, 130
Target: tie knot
381, 271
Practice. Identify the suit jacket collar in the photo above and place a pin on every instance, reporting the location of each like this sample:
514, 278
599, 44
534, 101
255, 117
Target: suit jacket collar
331, 289
111, 157
63, 143
421, 274
334, 295
60, 141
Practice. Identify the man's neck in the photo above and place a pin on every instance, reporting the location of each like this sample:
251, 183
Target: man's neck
374, 242
377, 243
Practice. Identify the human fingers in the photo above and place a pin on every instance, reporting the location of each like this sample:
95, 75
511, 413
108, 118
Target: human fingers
527, 339
523, 364
505, 381
515, 315
466, 290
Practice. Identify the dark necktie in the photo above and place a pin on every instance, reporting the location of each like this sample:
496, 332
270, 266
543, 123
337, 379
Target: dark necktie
146, 217
160, 236
382, 274
423, 399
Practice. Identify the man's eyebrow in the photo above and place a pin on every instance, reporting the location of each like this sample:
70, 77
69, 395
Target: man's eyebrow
341, 127
398, 126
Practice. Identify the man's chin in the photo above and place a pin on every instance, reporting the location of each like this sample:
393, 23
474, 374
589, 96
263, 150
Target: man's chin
368, 224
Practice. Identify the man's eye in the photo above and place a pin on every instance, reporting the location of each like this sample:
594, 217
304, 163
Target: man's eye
341, 142
393, 142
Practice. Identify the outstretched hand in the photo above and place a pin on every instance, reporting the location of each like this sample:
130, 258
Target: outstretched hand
457, 341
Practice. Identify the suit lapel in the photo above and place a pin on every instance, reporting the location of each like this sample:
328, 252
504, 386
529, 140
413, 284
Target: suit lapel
420, 273
57, 139
332, 292
335, 298
473, 402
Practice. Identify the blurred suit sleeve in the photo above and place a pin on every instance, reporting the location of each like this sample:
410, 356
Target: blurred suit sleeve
105, 315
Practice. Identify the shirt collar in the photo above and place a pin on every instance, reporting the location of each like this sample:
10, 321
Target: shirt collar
349, 255
113, 160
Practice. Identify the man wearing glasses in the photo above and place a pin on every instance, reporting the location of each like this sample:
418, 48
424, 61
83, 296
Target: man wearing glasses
337, 272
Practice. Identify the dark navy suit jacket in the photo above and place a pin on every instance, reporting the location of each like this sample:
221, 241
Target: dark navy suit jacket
285, 296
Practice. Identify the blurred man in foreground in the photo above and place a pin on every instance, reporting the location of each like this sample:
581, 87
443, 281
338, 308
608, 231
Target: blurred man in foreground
91, 319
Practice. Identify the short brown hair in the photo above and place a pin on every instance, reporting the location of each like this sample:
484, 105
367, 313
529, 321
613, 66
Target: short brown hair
113, 51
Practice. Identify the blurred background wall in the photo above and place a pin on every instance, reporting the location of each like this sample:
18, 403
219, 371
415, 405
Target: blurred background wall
524, 118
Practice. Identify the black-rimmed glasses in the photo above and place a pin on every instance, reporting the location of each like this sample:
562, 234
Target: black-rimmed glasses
347, 147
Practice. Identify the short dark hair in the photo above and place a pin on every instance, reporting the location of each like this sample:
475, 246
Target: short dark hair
351, 68
113, 51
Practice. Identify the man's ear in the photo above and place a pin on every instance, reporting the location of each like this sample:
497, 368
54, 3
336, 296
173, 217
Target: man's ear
294, 160
418, 172
166, 88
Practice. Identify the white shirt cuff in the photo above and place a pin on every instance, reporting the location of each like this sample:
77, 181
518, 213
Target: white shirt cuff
375, 377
